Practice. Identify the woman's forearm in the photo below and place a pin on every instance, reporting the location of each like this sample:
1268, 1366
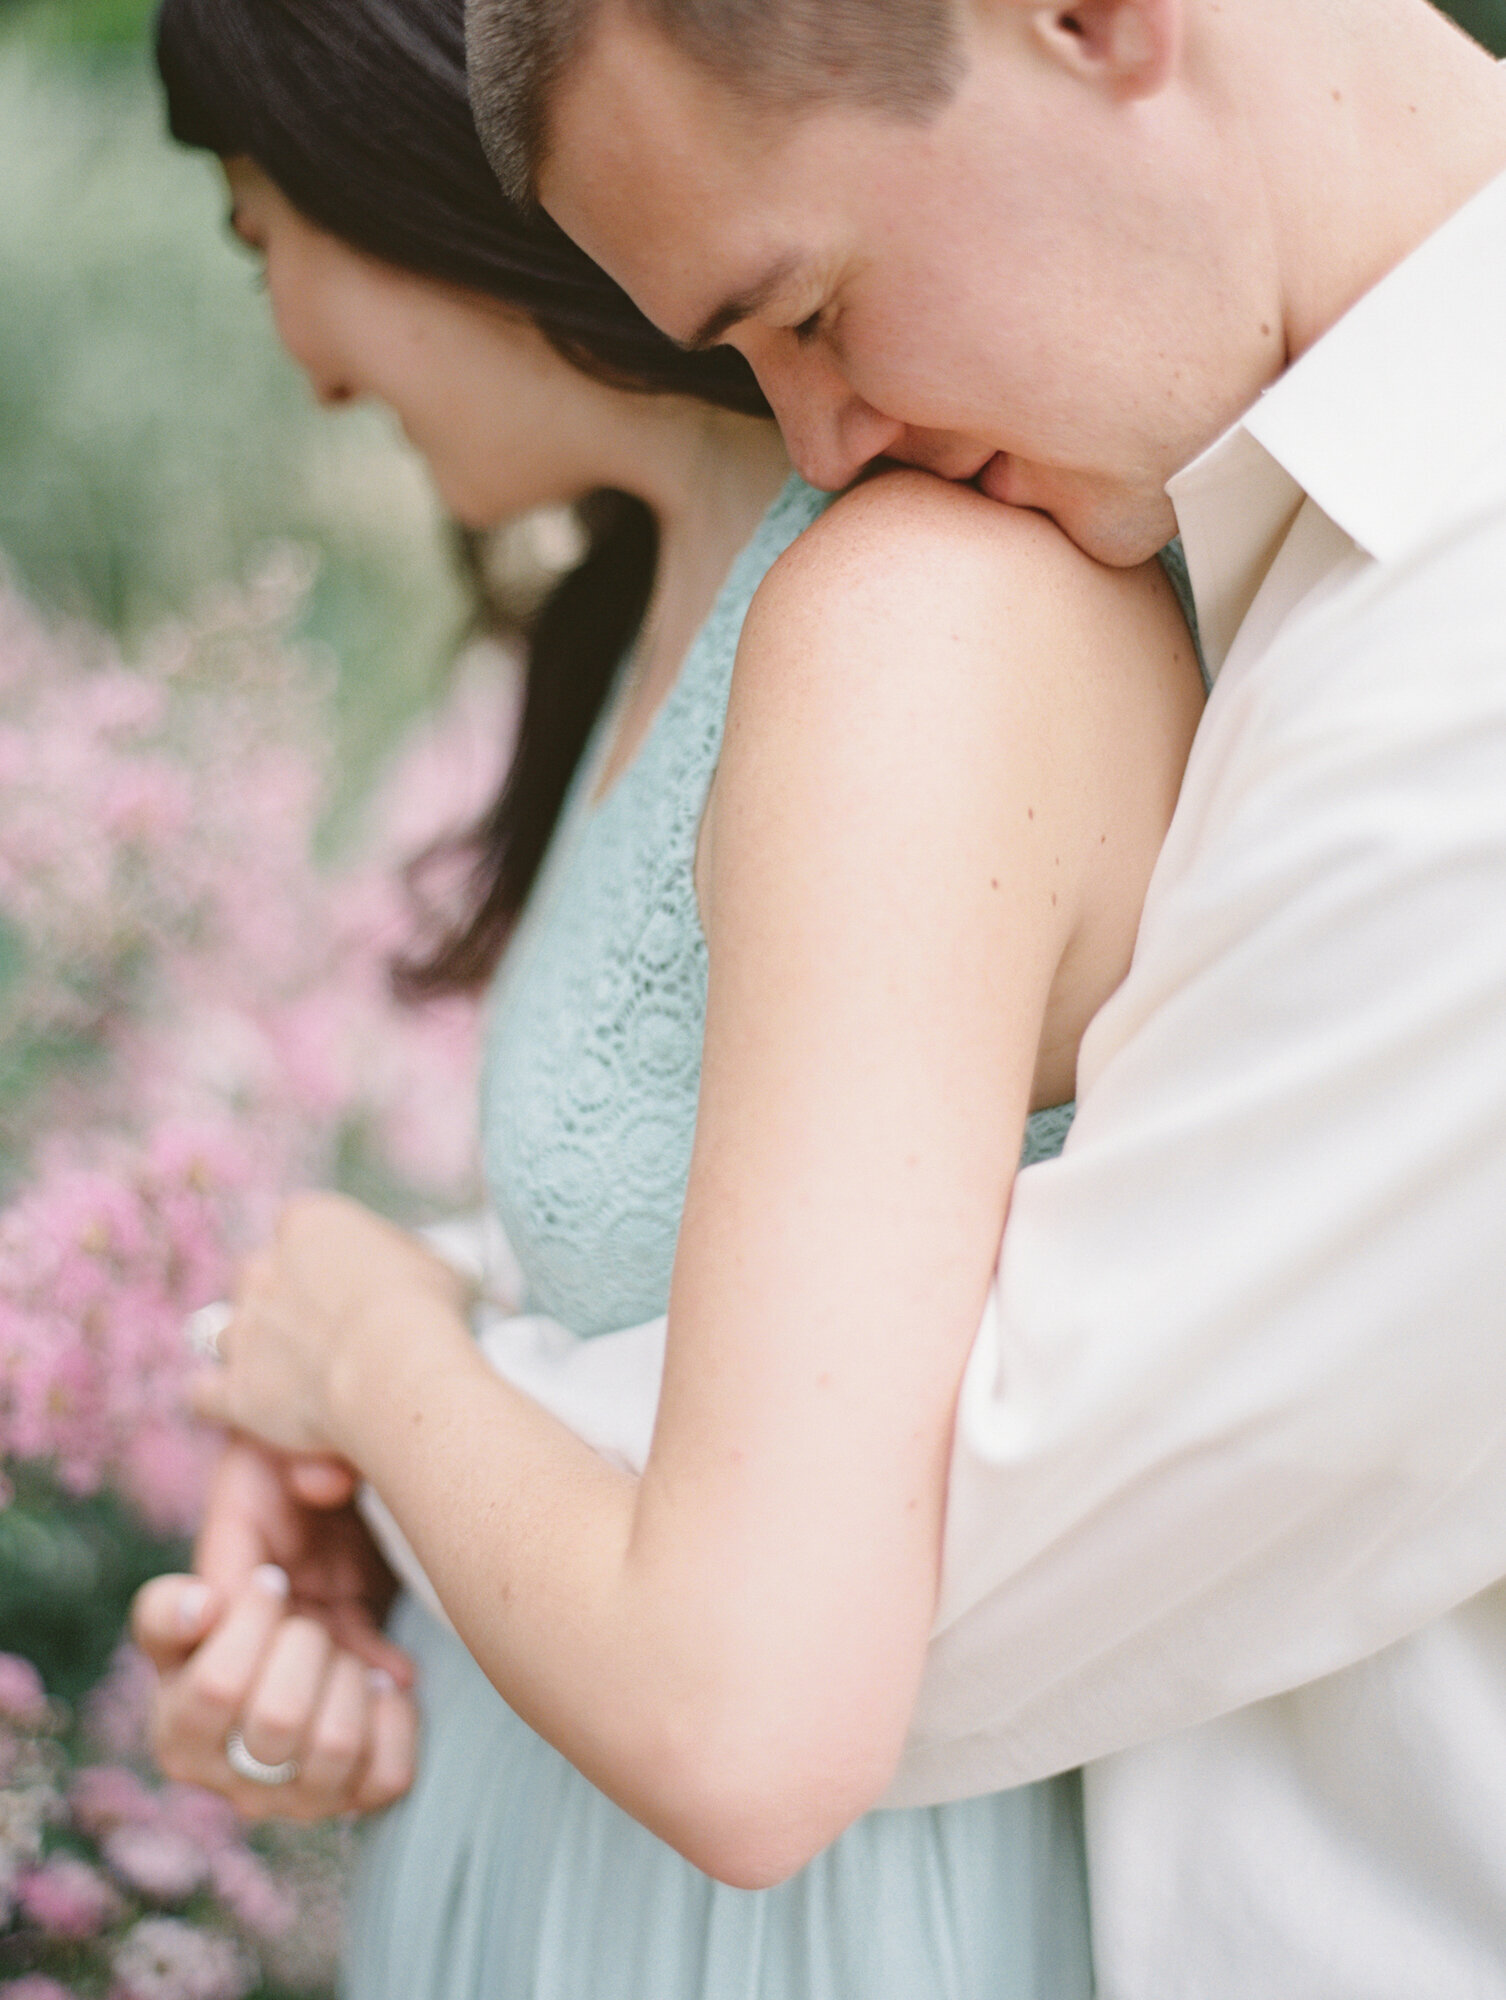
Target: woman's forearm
589, 1619
729, 1646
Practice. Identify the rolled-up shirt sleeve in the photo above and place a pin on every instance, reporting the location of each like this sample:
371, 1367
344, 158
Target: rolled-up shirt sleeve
1237, 1415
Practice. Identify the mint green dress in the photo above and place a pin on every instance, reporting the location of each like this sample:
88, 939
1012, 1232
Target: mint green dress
505, 1875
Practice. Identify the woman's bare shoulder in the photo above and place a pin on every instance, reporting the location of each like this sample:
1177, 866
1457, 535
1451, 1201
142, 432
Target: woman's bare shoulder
910, 534
910, 580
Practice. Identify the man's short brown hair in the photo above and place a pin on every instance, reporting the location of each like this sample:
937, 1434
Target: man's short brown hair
899, 56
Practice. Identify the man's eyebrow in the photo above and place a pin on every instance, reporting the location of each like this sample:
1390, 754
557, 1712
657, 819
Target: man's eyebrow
742, 305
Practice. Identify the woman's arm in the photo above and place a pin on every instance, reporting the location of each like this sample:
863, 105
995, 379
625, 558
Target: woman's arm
950, 755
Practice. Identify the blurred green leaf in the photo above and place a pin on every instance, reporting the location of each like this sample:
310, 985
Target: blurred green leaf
100, 24
1484, 19
68, 1571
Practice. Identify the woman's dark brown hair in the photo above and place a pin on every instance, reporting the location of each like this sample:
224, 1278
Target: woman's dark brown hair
358, 111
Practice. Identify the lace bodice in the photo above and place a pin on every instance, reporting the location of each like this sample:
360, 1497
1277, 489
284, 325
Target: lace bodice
594, 1043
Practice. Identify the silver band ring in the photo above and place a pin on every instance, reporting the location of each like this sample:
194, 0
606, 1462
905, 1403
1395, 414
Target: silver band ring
252, 1769
205, 1329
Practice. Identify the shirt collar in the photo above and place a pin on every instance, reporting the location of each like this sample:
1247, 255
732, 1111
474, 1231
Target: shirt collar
1384, 422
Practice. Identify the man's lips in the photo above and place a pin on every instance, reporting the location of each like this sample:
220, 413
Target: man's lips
993, 478
953, 467
990, 472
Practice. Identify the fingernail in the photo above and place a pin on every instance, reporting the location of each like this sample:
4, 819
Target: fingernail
270, 1578
380, 1681
193, 1602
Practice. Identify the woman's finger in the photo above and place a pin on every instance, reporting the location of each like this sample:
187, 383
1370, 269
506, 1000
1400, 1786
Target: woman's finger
169, 1616
320, 1482
394, 1746
339, 1739
208, 1394
278, 1715
248, 1518
202, 1701
351, 1627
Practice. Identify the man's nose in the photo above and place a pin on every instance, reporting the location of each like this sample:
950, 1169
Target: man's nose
830, 432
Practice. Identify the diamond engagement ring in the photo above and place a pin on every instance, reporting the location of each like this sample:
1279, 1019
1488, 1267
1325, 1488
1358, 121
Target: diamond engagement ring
252, 1769
204, 1329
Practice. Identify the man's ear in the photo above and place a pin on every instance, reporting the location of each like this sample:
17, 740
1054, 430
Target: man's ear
1127, 46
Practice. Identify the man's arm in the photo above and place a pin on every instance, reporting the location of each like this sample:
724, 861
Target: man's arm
1237, 1417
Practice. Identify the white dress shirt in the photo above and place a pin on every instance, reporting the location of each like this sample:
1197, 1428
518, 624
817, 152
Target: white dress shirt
1228, 1506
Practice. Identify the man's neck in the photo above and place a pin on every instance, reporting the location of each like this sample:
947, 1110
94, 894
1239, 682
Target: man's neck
1381, 120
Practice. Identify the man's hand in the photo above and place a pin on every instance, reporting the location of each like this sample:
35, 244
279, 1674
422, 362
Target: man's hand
278, 1633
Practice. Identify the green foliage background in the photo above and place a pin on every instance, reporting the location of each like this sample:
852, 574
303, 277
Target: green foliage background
1484, 19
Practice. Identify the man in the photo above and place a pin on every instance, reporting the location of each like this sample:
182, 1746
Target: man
1229, 1494
1232, 1429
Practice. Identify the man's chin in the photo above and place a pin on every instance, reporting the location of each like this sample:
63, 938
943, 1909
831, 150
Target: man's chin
1120, 542
1121, 529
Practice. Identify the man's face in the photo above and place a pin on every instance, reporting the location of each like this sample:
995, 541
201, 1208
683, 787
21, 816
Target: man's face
1037, 289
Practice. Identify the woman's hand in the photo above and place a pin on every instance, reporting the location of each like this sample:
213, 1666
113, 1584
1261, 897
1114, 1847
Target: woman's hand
279, 1678
305, 1310
278, 1633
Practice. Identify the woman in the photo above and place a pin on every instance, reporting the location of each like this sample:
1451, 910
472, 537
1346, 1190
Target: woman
951, 751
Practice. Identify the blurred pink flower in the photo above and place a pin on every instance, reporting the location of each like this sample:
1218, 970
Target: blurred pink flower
23, 1698
36, 1986
202, 1817
25, 1813
105, 1796
163, 1468
116, 1712
158, 825
156, 1860
67, 1898
163, 1958
267, 1917
251, 1892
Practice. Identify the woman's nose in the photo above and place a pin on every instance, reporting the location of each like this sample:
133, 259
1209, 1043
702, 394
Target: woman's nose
306, 341
831, 433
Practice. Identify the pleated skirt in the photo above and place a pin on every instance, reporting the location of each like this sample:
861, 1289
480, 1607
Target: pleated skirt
505, 1875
